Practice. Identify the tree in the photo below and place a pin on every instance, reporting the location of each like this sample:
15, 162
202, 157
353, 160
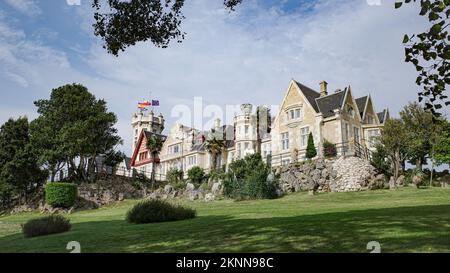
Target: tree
379, 159
440, 144
393, 138
19, 170
419, 127
154, 145
124, 23
310, 148
429, 52
83, 129
214, 145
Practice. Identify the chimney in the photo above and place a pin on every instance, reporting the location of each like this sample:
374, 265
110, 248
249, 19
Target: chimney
217, 124
323, 88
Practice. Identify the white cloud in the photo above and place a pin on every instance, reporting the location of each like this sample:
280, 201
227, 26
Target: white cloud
28, 7
247, 56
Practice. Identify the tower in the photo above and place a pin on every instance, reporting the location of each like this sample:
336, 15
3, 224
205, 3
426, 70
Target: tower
148, 122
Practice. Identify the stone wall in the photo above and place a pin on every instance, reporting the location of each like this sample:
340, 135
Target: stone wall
340, 175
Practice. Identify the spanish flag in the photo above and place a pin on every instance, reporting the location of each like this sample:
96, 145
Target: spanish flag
144, 104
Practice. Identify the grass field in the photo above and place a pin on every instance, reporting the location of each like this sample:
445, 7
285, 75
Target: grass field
406, 220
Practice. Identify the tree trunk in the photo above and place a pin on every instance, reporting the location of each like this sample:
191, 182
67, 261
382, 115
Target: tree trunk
152, 178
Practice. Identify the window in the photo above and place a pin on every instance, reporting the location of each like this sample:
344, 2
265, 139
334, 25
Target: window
345, 132
285, 141
373, 134
294, 114
136, 131
239, 150
192, 160
356, 134
246, 129
304, 133
285, 162
370, 119
246, 146
351, 111
143, 156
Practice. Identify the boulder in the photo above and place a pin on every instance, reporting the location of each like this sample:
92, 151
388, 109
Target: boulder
168, 189
209, 197
190, 187
400, 180
217, 188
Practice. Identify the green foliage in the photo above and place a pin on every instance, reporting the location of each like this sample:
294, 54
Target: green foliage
380, 159
124, 23
218, 174
329, 149
215, 145
72, 129
310, 149
429, 52
20, 174
418, 129
154, 145
393, 138
46, 225
247, 179
153, 211
441, 151
59, 194
174, 176
196, 175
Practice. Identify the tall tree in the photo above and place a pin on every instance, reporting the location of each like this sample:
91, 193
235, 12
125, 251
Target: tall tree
419, 128
154, 145
82, 129
393, 138
311, 151
429, 52
19, 170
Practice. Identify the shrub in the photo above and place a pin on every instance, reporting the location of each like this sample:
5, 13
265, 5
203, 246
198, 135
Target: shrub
329, 149
46, 225
58, 194
174, 176
196, 175
247, 179
310, 149
217, 174
153, 211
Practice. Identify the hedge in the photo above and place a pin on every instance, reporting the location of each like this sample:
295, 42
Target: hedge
46, 225
58, 194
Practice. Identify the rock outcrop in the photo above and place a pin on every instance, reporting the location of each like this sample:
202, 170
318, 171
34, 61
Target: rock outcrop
341, 175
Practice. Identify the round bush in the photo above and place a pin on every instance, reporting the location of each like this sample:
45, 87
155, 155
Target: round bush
46, 225
153, 211
61, 194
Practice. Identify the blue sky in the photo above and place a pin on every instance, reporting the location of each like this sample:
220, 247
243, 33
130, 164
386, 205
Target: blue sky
246, 56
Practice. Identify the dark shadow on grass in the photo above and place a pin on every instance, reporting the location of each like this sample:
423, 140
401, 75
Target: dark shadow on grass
403, 229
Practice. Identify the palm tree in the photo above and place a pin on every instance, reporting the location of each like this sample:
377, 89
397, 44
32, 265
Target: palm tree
154, 145
214, 146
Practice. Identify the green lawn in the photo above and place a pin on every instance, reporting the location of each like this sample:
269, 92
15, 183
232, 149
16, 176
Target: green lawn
406, 220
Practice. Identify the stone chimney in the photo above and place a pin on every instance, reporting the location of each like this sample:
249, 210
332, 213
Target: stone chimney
217, 123
323, 88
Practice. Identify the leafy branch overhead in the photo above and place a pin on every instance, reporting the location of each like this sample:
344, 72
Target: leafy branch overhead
124, 23
429, 52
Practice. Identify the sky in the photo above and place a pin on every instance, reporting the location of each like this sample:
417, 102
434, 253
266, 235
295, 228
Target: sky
248, 56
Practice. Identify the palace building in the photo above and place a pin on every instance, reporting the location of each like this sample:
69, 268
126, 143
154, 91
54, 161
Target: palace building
352, 124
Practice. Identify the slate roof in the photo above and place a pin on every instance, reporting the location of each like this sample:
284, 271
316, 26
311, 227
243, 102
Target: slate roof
310, 95
150, 134
382, 116
329, 103
361, 103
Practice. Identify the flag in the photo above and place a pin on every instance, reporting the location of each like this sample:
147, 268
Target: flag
155, 102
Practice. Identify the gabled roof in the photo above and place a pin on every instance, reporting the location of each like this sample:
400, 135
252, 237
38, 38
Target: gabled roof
329, 103
361, 103
144, 135
382, 116
310, 95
